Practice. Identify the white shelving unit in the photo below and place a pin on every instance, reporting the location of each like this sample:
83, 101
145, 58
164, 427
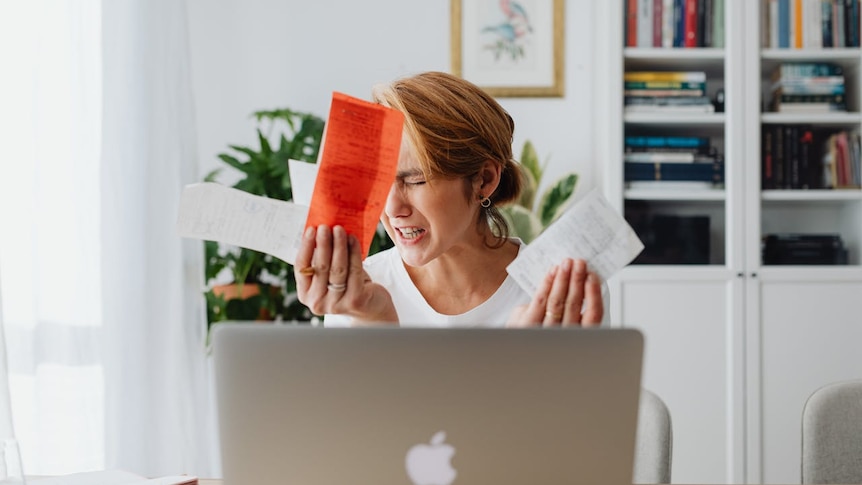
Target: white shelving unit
734, 347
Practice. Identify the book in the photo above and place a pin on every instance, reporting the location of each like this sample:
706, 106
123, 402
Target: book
113, 477
662, 157
690, 23
667, 76
666, 141
670, 109
718, 23
671, 185
709, 172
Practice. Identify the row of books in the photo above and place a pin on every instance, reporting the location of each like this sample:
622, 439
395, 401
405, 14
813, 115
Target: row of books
672, 162
810, 24
674, 23
800, 157
794, 248
666, 91
807, 87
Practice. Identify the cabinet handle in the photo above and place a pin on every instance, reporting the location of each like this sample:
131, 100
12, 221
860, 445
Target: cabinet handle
754, 275
740, 274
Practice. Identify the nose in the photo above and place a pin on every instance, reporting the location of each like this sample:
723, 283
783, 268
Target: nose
396, 202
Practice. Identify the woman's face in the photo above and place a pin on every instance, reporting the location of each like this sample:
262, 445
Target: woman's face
426, 219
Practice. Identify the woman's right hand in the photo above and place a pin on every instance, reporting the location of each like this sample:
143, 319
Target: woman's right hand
330, 278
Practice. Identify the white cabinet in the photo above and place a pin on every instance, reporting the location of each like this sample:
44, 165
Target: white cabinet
734, 346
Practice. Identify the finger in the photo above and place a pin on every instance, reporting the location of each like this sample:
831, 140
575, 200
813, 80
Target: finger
575, 297
594, 308
555, 307
339, 270
534, 314
356, 275
322, 260
303, 260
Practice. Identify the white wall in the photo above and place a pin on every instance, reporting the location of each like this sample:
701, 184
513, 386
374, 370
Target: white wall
250, 55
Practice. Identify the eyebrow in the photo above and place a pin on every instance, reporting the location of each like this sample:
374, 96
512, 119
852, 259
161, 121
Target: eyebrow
408, 173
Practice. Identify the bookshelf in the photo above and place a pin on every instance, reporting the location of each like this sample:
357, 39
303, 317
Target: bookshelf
734, 346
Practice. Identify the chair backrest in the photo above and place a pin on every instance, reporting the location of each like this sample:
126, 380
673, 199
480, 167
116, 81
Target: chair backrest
654, 445
832, 434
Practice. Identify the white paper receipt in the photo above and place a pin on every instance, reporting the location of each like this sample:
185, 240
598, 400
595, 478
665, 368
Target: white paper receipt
590, 230
214, 212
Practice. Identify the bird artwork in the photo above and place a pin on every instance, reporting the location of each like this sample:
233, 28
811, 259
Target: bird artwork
508, 36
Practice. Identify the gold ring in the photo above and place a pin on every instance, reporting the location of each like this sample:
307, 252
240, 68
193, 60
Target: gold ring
553, 316
307, 271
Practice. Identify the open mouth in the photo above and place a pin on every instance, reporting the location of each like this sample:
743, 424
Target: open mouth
410, 232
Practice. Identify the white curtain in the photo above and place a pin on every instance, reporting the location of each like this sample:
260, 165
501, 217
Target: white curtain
101, 300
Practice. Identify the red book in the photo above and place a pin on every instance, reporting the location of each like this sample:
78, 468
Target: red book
690, 25
657, 13
632, 24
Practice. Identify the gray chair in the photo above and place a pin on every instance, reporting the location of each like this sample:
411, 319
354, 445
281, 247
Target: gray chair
654, 444
832, 434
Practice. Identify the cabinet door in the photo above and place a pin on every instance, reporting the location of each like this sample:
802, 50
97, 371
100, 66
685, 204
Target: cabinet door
811, 335
689, 327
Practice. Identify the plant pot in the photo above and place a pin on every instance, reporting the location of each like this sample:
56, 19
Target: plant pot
233, 291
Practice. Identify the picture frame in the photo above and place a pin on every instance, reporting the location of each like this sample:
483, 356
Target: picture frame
509, 48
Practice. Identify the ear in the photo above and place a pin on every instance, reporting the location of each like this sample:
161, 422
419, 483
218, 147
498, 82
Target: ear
488, 178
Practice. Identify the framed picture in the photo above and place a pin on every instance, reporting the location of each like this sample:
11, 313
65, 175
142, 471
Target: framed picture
510, 48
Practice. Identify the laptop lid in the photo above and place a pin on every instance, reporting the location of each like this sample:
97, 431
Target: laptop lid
317, 406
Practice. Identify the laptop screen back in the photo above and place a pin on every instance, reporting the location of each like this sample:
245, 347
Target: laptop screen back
426, 406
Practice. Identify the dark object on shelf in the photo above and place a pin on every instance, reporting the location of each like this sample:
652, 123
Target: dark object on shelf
718, 101
803, 249
671, 239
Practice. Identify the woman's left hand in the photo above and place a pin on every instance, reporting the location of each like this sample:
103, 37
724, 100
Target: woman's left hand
569, 295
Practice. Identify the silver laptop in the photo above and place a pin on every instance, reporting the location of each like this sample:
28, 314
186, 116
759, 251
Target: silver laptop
388, 406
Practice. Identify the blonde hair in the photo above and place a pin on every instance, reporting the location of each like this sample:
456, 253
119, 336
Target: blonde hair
455, 128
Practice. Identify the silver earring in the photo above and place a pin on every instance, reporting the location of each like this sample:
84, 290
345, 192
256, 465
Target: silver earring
485, 202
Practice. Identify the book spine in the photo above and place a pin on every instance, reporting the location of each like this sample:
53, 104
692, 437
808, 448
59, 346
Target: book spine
691, 23
797, 24
778, 165
851, 28
813, 30
667, 141
711, 172
645, 23
826, 22
667, 13
838, 22
632, 23
706, 23
703, 151
680, 85
783, 24
766, 177
665, 76
718, 23
657, 100
679, 23
657, 20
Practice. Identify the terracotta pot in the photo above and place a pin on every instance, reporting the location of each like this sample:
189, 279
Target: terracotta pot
232, 292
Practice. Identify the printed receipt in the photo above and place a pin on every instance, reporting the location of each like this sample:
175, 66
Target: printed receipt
357, 166
214, 212
591, 230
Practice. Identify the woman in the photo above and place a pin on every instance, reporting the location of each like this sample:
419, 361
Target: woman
448, 266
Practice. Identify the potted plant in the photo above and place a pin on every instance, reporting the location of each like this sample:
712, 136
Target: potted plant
528, 218
243, 284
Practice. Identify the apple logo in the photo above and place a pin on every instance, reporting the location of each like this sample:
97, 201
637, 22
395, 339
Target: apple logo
429, 464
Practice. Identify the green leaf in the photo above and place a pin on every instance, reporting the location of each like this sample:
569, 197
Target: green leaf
523, 223
556, 197
530, 161
528, 189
